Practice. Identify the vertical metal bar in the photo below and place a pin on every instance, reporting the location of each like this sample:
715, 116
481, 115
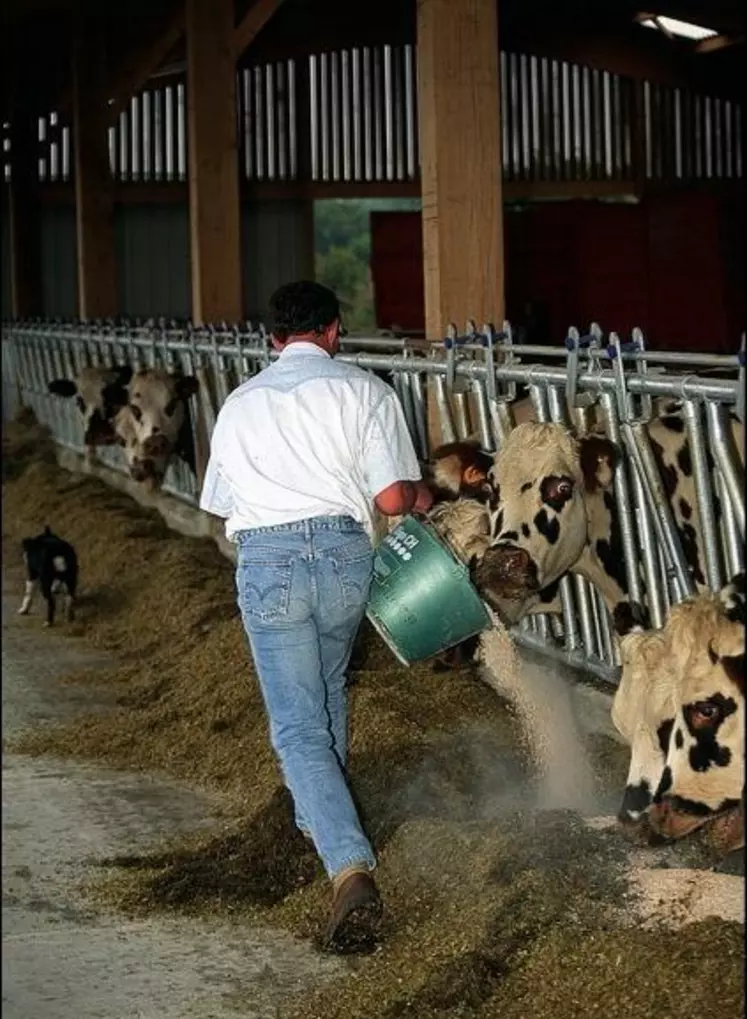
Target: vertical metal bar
324, 113
158, 131
702, 479
639, 448
345, 100
388, 113
357, 113
558, 415
505, 102
626, 513
271, 120
260, 137
535, 162
292, 126
378, 115
602, 620
410, 127
461, 413
727, 459
368, 141
484, 430
446, 420
314, 124
539, 397
731, 540
169, 131
146, 140
421, 421
134, 139
334, 113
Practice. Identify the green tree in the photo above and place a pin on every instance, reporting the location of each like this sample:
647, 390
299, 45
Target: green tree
342, 243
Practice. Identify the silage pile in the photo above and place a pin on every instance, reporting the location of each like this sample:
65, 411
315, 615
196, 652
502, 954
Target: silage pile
494, 908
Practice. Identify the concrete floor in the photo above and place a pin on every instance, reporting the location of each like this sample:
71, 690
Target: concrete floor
61, 958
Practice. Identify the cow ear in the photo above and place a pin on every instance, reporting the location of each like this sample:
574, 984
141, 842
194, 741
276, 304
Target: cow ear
734, 668
115, 395
599, 460
187, 386
732, 598
446, 472
62, 387
124, 374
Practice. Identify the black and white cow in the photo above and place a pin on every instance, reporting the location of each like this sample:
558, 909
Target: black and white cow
680, 707
99, 393
554, 511
145, 412
155, 424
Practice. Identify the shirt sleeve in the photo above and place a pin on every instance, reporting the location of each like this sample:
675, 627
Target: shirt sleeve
388, 452
216, 496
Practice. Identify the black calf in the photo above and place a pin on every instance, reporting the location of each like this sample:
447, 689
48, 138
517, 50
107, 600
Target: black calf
51, 565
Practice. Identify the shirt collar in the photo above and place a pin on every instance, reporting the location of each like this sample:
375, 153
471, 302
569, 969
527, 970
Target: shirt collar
302, 347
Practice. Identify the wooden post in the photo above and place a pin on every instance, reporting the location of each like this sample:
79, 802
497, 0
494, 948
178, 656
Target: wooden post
24, 219
94, 187
460, 143
214, 211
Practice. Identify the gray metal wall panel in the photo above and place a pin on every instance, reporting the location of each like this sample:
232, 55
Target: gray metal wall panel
277, 246
5, 293
59, 262
153, 274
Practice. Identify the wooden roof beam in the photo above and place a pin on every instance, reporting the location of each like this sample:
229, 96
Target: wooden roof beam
718, 42
143, 64
255, 19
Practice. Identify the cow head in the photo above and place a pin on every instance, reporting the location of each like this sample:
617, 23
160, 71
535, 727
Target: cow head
703, 776
546, 486
681, 702
99, 393
459, 469
149, 426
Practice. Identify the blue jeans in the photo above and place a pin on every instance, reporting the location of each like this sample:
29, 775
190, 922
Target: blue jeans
302, 591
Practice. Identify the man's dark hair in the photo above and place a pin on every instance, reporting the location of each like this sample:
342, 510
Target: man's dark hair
302, 307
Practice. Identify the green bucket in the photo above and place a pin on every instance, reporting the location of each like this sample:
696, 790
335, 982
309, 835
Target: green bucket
422, 600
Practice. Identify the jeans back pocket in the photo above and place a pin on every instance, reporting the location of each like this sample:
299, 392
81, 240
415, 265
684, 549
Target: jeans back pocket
264, 583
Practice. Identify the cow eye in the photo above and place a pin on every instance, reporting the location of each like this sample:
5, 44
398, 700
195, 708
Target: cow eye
704, 713
136, 412
564, 487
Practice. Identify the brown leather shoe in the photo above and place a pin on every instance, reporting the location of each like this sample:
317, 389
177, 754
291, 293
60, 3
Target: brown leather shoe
355, 915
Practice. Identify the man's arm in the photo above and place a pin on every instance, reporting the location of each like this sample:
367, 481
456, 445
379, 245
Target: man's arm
216, 497
391, 467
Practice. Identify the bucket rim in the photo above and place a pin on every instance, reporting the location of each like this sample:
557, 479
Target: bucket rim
384, 634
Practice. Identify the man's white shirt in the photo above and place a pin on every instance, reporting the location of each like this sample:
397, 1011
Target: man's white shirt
308, 436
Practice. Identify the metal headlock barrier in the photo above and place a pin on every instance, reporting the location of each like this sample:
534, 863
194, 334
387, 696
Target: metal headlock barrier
477, 383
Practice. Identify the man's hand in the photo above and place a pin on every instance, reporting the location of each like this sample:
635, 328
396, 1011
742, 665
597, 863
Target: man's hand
423, 498
403, 497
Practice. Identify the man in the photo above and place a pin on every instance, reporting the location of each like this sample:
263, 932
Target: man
300, 455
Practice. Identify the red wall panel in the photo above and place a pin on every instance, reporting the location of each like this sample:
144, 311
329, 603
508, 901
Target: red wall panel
397, 270
670, 265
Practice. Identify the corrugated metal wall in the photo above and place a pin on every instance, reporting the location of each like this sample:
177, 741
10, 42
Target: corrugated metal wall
5, 262
277, 242
59, 262
152, 243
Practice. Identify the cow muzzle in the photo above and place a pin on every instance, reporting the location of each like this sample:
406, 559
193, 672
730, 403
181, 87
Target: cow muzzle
667, 820
99, 431
156, 445
143, 470
507, 571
